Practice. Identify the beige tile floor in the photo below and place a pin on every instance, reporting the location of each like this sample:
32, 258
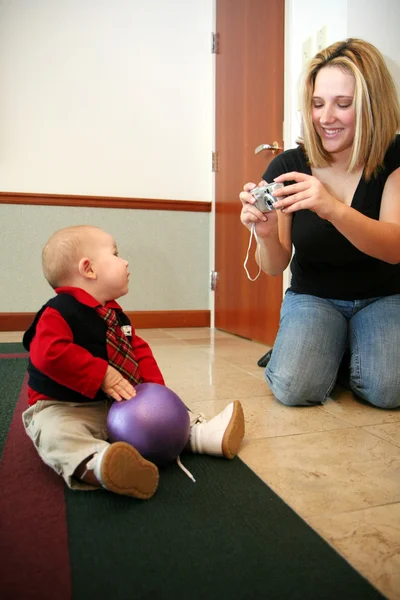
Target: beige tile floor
337, 465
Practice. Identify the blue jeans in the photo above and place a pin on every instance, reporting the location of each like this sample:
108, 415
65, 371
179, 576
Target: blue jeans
315, 334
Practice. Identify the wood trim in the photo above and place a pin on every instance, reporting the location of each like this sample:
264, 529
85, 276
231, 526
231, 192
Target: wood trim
142, 319
148, 319
104, 202
15, 321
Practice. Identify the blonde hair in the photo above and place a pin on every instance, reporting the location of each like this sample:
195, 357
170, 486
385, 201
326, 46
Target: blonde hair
62, 253
376, 104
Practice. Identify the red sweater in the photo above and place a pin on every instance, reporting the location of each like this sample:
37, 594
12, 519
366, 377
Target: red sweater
53, 352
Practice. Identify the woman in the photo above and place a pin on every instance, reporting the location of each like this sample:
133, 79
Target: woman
340, 211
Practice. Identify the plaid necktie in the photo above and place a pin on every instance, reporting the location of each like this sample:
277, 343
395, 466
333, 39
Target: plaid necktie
119, 351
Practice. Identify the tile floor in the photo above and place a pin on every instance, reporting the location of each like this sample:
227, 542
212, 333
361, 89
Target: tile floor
337, 465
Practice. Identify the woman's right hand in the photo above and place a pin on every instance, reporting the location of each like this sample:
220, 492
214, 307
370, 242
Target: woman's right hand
265, 222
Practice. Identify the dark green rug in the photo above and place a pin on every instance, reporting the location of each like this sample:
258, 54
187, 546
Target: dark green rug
227, 536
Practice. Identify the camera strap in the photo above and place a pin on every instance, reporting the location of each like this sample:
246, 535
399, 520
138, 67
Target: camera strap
253, 232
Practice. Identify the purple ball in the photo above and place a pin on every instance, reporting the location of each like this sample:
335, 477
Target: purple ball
155, 421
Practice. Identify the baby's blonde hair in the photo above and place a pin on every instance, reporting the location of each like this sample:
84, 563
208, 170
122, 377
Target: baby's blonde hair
62, 253
375, 100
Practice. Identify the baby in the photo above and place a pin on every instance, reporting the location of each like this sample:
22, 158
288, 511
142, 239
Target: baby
83, 355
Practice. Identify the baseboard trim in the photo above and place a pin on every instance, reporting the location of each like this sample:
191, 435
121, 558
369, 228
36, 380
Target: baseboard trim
149, 319
142, 319
104, 202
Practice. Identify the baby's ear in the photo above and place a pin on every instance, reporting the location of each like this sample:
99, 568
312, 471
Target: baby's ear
85, 268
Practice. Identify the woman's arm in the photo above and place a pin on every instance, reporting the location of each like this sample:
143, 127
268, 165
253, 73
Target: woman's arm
377, 238
380, 239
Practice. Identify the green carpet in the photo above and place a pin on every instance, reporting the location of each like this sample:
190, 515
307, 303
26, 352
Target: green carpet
226, 536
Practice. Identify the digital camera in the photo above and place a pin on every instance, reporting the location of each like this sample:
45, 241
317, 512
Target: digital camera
265, 199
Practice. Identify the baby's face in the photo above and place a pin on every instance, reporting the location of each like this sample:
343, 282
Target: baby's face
111, 270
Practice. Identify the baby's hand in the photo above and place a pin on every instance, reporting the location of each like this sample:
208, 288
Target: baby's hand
116, 386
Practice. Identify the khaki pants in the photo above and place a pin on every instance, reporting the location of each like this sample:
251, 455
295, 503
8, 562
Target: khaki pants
65, 433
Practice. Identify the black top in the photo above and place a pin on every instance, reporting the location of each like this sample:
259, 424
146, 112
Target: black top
325, 263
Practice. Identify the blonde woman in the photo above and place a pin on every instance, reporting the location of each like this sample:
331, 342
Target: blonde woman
339, 215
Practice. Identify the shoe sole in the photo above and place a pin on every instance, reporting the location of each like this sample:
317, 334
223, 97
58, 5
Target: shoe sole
234, 433
125, 471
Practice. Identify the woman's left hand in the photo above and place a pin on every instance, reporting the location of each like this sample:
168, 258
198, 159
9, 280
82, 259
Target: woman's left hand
307, 193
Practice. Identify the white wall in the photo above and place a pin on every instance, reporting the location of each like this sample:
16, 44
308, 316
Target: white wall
303, 19
106, 97
377, 21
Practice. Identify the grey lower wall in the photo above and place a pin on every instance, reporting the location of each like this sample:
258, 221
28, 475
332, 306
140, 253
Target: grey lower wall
168, 253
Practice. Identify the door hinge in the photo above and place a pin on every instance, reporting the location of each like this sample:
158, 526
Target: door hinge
214, 43
215, 162
213, 280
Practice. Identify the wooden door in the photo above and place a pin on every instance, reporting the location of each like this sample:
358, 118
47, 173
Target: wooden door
249, 112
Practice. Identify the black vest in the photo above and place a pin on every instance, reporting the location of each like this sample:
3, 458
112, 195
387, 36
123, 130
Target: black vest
88, 330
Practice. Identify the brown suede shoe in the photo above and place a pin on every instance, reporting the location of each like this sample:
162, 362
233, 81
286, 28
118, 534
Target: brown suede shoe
121, 469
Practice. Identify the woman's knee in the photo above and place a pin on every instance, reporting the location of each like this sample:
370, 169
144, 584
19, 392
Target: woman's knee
389, 403
295, 400
386, 395
291, 391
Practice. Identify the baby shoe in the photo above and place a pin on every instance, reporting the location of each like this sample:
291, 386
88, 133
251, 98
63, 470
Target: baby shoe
121, 469
222, 435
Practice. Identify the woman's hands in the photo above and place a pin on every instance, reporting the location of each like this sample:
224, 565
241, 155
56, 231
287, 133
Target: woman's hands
265, 222
306, 193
